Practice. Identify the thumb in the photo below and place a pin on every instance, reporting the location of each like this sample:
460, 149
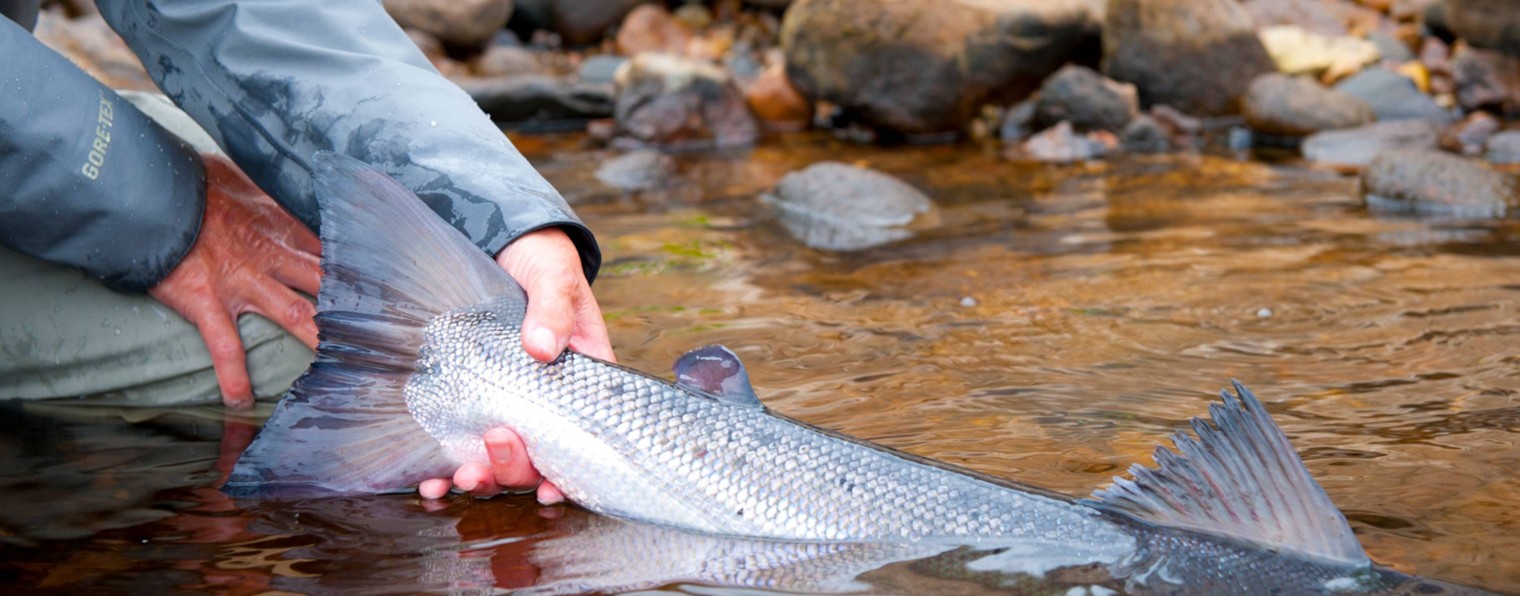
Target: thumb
549, 321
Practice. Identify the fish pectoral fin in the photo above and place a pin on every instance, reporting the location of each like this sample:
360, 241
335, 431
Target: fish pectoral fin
390, 265
716, 371
1241, 479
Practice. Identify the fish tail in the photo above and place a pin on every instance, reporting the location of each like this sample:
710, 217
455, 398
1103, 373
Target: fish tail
390, 266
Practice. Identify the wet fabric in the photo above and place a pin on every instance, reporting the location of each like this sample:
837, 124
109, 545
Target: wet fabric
89, 181
64, 335
276, 81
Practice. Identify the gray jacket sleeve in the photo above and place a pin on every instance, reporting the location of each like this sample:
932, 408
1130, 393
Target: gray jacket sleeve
86, 179
278, 80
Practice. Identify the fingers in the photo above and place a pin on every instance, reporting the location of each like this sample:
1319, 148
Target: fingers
227, 358
590, 336
477, 480
300, 270
548, 494
510, 466
287, 309
434, 489
561, 309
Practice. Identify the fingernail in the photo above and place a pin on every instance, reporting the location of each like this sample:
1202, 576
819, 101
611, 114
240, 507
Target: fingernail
543, 338
501, 455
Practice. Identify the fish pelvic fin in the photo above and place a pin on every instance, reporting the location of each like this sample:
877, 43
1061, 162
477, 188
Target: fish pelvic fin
1239, 478
390, 266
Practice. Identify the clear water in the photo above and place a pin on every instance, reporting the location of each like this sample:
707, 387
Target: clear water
1053, 327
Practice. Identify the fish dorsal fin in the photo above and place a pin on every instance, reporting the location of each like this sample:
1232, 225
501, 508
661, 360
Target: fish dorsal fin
1240, 478
390, 265
717, 371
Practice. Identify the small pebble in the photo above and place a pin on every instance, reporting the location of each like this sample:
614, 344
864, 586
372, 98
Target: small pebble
1264, 313
968, 302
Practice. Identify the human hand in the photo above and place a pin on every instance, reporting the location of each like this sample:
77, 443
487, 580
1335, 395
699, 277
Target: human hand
250, 256
561, 313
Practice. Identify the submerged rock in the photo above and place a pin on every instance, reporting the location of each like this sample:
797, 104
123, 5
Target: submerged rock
927, 67
1355, 147
1088, 100
457, 23
836, 206
1277, 104
637, 170
675, 102
506, 61
1432, 182
1063, 144
1195, 55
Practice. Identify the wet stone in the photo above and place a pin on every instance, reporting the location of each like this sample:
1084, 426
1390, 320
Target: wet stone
675, 102
916, 67
601, 68
1196, 55
651, 28
1278, 104
456, 23
1392, 96
1469, 136
506, 61
1018, 122
1355, 147
1063, 144
1503, 148
1145, 135
637, 170
539, 98
1088, 100
1493, 24
840, 207
1433, 182
1486, 79
1297, 51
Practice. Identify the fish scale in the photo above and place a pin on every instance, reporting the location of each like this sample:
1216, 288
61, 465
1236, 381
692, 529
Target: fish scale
737, 470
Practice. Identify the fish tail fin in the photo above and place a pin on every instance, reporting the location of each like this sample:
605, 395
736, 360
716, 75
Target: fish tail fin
390, 265
1239, 478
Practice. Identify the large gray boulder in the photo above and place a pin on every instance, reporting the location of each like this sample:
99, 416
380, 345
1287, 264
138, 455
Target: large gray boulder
1196, 55
926, 67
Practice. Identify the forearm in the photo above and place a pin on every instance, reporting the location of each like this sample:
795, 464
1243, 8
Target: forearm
89, 180
276, 81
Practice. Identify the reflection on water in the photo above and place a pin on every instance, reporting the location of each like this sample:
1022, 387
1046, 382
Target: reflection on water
1054, 325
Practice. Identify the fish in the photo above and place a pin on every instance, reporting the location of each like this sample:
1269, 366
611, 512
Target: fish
420, 354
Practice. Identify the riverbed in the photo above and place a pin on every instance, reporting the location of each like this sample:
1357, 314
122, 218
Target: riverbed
1052, 326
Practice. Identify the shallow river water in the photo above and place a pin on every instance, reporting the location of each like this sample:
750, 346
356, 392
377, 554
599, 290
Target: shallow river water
1053, 326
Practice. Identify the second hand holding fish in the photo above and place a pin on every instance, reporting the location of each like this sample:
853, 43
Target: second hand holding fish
562, 312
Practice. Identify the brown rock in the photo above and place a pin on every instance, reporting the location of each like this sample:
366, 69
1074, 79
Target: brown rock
1196, 55
651, 28
1491, 24
457, 23
1332, 18
776, 102
1062, 143
585, 21
1085, 98
922, 67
